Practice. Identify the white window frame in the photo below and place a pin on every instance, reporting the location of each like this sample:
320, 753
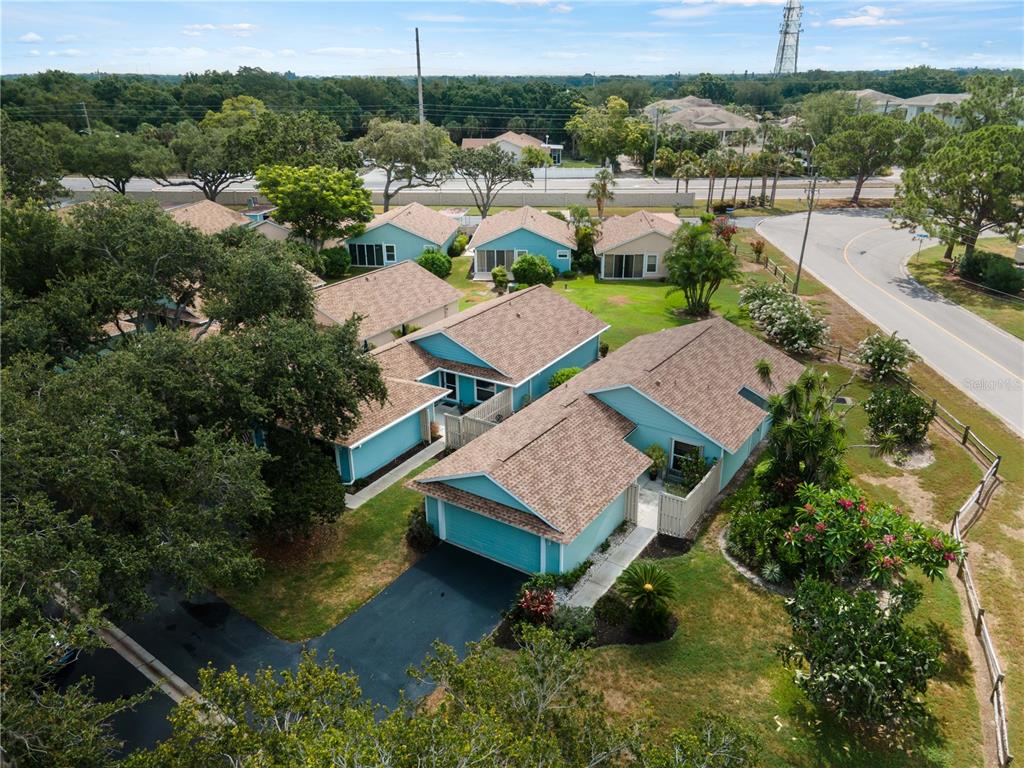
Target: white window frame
429, 247
563, 254
691, 446
454, 388
394, 252
476, 391
521, 252
647, 263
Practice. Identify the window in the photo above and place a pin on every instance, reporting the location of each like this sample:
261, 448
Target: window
485, 390
563, 254
429, 247
652, 262
389, 253
451, 382
367, 254
681, 450
488, 260
624, 266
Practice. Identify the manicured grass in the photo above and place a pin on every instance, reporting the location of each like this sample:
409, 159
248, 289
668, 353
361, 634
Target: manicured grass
722, 658
310, 586
473, 292
567, 163
932, 270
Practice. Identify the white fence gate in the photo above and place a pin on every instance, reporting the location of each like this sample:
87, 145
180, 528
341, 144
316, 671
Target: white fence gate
677, 515
459, 430
632, 502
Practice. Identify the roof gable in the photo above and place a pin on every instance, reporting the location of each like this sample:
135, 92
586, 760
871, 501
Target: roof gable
619, 230
528, 218
418, 220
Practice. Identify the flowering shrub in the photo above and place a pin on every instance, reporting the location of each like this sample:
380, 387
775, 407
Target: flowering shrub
885, 356
536, 605
783, 317
899, 414
838, 535
758, 245
724, 229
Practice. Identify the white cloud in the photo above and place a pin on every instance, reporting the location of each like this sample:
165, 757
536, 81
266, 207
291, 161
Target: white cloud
868, 16
900, 39
67, 38
437, 18
70, 52
335, 50
251, 52
33, 52
30, 37
734, 2
562, 8
242, 29
169, 52
823, 48
287, 52
675, 13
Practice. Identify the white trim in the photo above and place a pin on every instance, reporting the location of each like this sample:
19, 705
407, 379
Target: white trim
561, 556
371, 226
672, 448
570, 243
519, 252
659, 405
567, 254
647, 263
394, 250
476, 390
404, 416
430, 247
543, 553
444, 386
351, 466
467, 375
442, 523
465, 475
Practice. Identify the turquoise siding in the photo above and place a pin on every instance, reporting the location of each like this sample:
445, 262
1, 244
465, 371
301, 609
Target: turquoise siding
430, 504
512, 546
380, 449
484, 486
538, 385
524, 240
407, 246
551, 550
443, 347
590, 538
733, 461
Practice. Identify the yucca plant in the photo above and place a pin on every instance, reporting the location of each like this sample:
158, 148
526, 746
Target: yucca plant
647, 587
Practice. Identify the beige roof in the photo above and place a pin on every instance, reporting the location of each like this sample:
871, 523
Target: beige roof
696, 114
520, 333
619, 230
385, 298
418, 220
694, 371
410, 361
875, 97
934, 99
404, 397
527, 218
519, 139
208, 217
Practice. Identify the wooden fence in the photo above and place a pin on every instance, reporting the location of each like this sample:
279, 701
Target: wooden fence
632, 503
997, 676
677, 515
459, 430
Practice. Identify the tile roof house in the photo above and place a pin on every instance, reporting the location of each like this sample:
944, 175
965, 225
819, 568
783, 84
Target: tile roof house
515, 143
402, 234
503, 236
691, 389
515, 343
696, 114
633, 247
939, 104
389, 300
208, 217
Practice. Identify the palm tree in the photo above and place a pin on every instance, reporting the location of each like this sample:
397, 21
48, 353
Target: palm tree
601, 190
743, 138
687, 167
713, 162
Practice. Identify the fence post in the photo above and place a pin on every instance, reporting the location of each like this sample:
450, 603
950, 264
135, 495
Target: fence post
967, 435
977, 621
839, 357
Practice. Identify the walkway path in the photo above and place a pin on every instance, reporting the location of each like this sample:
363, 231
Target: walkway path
861, 257
355, 500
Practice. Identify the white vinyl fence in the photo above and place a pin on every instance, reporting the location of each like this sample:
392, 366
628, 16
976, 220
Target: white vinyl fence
678, 515
632, 503
459, 430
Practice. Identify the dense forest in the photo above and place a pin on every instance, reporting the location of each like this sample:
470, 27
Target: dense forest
466, 106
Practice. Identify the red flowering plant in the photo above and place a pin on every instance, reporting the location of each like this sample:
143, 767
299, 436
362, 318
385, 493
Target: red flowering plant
839, 535
536, 605
724, 229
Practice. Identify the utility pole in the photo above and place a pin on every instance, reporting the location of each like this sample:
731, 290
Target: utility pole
807, 226
419, 77
654, 162
546, 164
85, 112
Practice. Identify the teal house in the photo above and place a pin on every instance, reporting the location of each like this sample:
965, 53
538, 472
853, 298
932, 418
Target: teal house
540, 491
501, 238
401, 234
515, 342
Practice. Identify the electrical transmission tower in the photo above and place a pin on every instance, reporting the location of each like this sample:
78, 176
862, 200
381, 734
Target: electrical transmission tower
789, 39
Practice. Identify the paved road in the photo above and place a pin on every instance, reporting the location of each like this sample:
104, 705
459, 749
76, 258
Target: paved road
789, 189
861, 257
449, 595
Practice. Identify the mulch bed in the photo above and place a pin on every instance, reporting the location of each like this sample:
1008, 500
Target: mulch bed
605, 633
663, 546
379, 473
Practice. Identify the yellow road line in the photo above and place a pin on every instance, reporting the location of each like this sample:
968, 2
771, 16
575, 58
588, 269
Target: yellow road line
846, 258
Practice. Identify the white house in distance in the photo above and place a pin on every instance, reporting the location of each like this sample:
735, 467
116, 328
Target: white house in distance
941, 105
513, 142
695, 114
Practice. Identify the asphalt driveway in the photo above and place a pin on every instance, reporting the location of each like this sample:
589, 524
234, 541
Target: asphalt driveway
449, 595
861, 257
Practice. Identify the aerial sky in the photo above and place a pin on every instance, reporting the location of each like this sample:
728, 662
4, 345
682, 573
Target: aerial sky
514, 37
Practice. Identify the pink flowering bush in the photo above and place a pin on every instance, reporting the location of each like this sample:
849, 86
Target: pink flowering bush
536, 605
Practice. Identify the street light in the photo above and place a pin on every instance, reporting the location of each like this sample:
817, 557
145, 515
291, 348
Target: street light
807, 226
546, 146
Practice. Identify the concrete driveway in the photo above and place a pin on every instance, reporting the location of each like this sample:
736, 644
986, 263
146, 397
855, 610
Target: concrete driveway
449, 595
861, 257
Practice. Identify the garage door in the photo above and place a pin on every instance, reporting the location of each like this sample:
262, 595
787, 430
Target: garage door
512, 546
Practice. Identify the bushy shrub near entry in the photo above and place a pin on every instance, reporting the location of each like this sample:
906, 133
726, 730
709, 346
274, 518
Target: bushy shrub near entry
530, 269
885, 355
436, 262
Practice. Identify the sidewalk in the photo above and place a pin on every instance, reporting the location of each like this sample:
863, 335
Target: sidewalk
381, 484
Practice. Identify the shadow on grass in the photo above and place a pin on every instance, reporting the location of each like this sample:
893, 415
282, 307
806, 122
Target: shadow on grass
956, 663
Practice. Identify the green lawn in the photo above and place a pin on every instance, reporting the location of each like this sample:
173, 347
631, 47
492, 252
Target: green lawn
931, 269
309, 587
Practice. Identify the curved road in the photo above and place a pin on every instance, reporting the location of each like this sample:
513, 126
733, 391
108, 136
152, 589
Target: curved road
861, 257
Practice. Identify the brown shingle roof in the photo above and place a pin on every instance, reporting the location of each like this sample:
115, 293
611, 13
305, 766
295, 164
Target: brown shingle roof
409, 361
386, 298
618, 230
418, 220
520, 333
527, 218
694, 371
404, 397
208, 217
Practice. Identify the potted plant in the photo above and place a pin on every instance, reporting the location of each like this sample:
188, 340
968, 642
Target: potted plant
659, 460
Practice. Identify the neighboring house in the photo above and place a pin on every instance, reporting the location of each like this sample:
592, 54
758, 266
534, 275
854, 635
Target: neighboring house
208, 217
942, 105
503, 236
391, 301
258, 212
271, 230
401, 234
692, 113
633, 247
513, 342
513, 142
540, 491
